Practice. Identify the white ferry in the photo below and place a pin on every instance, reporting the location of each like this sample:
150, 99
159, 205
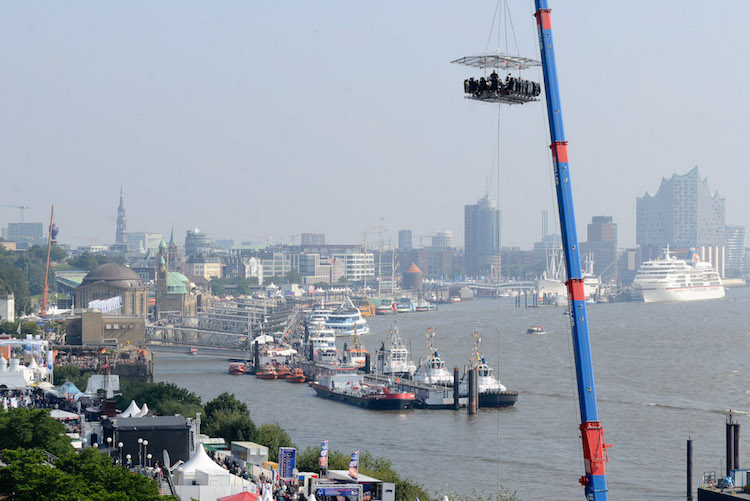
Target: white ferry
347, 320
672, 279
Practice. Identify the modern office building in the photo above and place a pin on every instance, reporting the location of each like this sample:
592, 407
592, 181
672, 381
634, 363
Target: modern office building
313, 239
405, 240
601, 246
143, 241
682, 214
197, 242
442, 239
734, 256
482, 238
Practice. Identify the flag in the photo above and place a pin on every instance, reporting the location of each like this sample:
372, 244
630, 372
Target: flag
103, 350
354, 465
323, 458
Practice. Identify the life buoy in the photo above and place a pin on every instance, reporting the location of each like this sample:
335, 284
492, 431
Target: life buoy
710, 484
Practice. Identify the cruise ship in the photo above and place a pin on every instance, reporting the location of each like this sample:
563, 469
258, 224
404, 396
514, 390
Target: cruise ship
346, 320
672, 279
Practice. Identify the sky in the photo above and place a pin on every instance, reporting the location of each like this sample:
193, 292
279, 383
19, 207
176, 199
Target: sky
262, 120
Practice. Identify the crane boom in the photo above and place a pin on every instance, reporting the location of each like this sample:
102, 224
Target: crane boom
45, 290
592, 433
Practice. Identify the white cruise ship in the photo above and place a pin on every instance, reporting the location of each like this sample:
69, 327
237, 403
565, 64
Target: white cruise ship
346, 320
672, 279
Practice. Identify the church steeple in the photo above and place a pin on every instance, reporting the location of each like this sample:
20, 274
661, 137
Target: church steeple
121, 236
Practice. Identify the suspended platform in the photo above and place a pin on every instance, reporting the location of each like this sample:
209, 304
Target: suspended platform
494, 89
499, 97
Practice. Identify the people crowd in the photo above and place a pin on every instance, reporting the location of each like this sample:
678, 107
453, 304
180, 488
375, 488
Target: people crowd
494, 87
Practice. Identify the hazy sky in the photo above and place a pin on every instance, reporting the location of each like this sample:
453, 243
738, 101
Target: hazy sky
249, 119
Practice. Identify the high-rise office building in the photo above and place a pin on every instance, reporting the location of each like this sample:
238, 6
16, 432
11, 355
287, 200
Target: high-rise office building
682, 214
442, 239
482, 238
601, 246
197, 242
404, 240
313, 239
734, 256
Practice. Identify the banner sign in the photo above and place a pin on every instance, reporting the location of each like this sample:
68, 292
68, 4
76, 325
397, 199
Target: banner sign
287, 463
323, 458
354, 465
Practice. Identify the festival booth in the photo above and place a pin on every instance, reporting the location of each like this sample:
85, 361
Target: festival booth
372, 489
202, 479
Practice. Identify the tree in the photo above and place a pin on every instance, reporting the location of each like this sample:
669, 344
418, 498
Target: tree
163, 398
15, 278
322, 285
225, 402
86, 261
343, 280
231, 425
71, 373
32, 428
273, 437
293, 277
217, 287
57, 254
308, 460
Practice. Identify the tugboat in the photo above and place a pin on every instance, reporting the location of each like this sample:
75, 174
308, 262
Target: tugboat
432, 369
356, 356
492, 393
351, 389
267, 372
296, 376
393, 357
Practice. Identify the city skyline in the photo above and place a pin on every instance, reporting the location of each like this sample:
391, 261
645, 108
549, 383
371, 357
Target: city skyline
199, 138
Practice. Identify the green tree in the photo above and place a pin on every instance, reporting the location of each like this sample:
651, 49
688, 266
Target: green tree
343, 280
231, 425
32, 428
307, 460
61, 373
86, 261
162, 398
242, 285
323, 286
27, 478
293, 277
57, 254
217, 287
273, 437
15, 278
225, 402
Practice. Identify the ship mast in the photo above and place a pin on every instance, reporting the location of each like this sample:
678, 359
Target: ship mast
592, 433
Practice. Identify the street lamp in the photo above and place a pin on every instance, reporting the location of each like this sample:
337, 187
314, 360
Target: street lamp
148, 457
109, 446
145, 447
127, 456
120, 444
140, 448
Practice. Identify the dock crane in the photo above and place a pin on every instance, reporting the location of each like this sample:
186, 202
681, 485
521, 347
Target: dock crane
592, 432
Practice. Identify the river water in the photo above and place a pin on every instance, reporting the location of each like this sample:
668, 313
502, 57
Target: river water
664, 373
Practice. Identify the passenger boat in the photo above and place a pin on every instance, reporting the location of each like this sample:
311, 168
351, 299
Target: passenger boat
491, 392
346, 320
432, 369
393, 357
267, 372
535, 329
384, 309
672, 279
353, 390
283, 371
296, 376
425, 306
321, 346
405, 305
237, 368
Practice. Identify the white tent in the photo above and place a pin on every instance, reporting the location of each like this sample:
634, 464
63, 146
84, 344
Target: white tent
144, 411
185, 473
263, 339
132, 411
63, 415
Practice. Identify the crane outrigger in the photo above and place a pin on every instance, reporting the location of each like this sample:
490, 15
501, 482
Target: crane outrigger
592, 432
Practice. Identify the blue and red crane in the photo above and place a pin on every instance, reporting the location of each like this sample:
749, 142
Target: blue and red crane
515, 90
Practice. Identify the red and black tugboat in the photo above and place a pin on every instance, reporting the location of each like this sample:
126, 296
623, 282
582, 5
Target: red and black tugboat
351, 389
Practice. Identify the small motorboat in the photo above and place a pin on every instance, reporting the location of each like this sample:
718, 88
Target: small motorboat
193, 351
237, 368
535, 329
296, 376
267, 372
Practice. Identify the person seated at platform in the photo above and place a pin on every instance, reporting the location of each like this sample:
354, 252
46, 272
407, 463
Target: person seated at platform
482, 85
493, 81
